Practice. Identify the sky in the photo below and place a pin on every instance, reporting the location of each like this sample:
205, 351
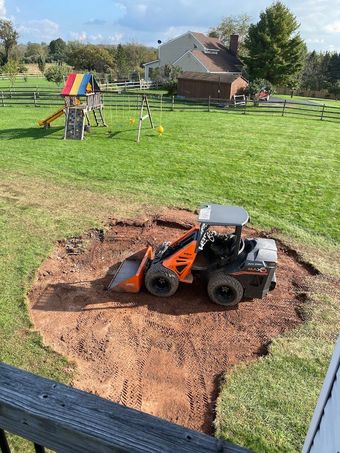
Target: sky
146, 21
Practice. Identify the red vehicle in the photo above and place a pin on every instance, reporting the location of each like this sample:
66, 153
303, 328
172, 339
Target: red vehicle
263, 95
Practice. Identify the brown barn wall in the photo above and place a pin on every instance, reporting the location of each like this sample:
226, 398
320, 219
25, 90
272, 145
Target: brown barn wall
200, 89
238, 86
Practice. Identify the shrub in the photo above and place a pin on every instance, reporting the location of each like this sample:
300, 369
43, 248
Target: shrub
56, 73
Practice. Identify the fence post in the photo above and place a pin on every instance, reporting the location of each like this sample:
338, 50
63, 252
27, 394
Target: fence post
2, 99
245, 106
209, 104
35, 98
322, 111
284, 107
173, 103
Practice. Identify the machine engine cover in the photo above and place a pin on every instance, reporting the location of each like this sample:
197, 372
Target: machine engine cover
265, 251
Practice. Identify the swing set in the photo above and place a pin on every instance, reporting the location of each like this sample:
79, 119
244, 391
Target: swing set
144, 114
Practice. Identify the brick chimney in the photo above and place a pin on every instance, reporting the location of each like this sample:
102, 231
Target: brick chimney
233, 46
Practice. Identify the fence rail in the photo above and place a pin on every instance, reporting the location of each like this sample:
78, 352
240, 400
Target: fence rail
132, 101
64, 419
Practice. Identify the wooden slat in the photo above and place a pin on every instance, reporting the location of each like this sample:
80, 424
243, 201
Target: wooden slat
68, 420
3, 442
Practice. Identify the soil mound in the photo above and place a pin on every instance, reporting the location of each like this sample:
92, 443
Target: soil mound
161, 356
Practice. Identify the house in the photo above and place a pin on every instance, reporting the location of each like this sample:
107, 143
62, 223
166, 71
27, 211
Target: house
196, 52
215, 85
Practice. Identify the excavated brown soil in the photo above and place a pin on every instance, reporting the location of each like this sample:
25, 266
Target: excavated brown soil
161, 356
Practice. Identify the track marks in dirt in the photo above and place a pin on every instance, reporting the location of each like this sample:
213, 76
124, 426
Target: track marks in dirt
161, 356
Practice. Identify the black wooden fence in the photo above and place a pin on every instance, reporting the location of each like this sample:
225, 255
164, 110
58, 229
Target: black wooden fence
64, 419
131, 102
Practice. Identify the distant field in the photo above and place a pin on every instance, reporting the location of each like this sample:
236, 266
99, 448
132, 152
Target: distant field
284, 171
32, 82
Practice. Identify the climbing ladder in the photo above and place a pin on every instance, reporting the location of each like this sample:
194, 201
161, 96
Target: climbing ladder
98, 117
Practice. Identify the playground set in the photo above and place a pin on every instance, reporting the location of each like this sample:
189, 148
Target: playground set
82, 95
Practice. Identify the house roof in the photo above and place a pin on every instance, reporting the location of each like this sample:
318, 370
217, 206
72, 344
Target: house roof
80, 85
220, 59
208, 77
207, 41
223, 61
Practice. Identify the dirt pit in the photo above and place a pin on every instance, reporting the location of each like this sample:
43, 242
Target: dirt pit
161, 356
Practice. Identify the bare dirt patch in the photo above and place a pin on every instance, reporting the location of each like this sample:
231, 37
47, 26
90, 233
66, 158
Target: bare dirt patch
161, 356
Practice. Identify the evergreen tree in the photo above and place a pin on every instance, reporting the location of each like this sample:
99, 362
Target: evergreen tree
312, 75
122, 64
276, 51
333, 69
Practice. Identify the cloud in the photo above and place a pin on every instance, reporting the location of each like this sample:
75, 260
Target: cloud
154, 15
315, 40
43, 29
116, 38
333, 27
80, 36
96, 38
2, 8
96, 22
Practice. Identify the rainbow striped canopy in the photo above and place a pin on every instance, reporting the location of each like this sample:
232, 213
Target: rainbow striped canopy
80, 85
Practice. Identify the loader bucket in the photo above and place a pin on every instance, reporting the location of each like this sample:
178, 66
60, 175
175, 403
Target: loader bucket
130, 274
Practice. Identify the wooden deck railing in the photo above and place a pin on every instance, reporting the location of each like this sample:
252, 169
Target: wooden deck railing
64, 419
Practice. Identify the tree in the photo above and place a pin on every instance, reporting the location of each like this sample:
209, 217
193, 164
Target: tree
256, 85
41, 64
167, 76
335, 89
57, 50
34, 52
276, 51
56, 73
230, 25
135, 55
311, 76
8, 38
11, 69
91, 58
122, 64
333, 69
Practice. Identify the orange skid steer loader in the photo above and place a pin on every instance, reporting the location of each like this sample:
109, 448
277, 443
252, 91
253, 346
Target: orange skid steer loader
233, 267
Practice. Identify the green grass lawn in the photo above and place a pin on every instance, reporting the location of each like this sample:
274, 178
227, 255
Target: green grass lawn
328, 102
31, 82
283, 170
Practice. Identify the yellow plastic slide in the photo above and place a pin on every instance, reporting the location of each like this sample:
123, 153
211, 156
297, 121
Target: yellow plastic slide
47, 121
